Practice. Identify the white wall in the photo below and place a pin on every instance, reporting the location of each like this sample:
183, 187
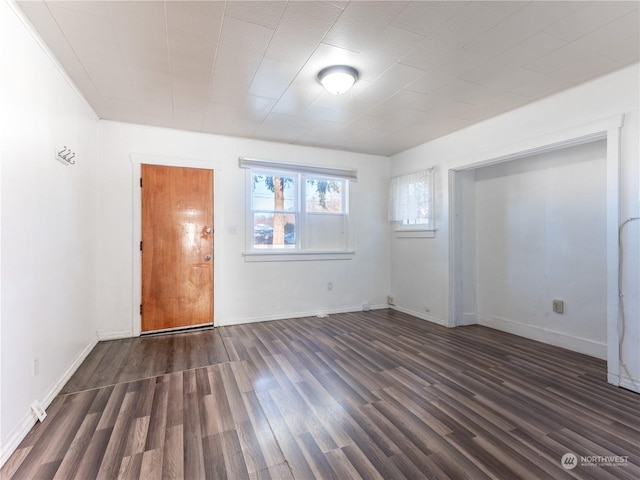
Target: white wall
243, 291
49, 227
421, 267
540, 235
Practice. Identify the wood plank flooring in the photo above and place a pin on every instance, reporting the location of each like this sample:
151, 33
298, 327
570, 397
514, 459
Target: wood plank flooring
365, 395
118, 361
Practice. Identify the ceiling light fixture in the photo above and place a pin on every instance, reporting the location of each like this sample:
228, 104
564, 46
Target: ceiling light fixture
338, 79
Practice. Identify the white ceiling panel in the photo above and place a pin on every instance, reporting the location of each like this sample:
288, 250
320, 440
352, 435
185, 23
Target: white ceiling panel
434, 50
140, 26
461, 62
425, 18
533, 48
185, 117
261, 12
272, 78
241, 47
604, 40
249, 68
193, 29
228, 88
475, 18
361, 22
90, 35
217, 117
300, 30
93, 8
395, 78
590, 17
110, 82
256, 108
324, 56
524, 23
295, 99
614, 35
188, 94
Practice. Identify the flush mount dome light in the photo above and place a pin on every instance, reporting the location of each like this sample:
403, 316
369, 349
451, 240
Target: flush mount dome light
338, 79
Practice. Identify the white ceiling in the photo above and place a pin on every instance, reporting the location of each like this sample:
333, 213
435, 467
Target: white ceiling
248, 69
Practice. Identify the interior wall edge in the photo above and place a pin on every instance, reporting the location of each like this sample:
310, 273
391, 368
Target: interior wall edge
115, 335
29, 420
622, 382
421, 316
49, 54
558, 339
282, 316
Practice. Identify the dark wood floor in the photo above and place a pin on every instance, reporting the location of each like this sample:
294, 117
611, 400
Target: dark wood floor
119, 361
365, 395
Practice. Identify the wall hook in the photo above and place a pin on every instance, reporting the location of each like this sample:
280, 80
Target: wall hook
65, 155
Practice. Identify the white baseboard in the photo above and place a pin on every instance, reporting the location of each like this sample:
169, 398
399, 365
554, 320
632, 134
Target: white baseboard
285, 316
29, 419
575, 344
420, 315
623, 382
104, 336
468, 319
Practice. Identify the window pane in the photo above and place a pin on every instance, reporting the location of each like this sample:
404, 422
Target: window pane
273, 192
325, 232
274, 230
324, 196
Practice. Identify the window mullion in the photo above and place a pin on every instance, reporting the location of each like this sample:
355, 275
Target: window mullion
302, 212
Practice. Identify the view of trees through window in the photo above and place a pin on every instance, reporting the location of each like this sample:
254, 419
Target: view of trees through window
275, 200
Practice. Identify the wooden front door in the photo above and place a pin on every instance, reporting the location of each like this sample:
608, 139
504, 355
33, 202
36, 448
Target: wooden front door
177, 247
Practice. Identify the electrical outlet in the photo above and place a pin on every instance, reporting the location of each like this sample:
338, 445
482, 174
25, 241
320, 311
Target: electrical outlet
558, 306
330, 286
427, 308
35, 367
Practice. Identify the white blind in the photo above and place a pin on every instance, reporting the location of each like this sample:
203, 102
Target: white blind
411, 198
323, 172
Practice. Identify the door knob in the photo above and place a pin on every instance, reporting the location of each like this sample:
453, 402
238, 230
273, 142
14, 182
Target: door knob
207, 230
207, 257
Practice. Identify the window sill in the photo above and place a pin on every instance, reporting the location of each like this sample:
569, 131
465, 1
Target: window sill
297, 256
414, 233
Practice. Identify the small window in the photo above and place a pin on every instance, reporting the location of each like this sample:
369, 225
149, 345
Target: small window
411, 201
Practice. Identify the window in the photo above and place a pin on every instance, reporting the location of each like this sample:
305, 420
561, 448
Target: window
411, 201
298, 210
274, 210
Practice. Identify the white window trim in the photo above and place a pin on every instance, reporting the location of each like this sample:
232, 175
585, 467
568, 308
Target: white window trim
297, 255
302, 173
408, 231
350, 174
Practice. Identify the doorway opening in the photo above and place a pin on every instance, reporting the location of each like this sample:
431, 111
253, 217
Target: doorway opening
463, 308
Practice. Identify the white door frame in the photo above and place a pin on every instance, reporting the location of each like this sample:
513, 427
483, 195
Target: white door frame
136, 162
